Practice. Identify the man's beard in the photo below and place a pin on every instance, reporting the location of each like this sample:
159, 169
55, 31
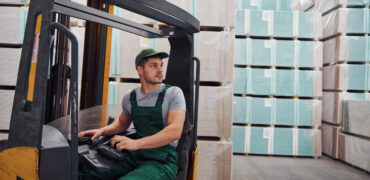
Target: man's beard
154, 81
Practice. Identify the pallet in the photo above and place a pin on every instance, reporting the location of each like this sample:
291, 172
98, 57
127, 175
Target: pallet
273, 155
343, 34
345, 62
295, 38
276, 126
277, 67
276, 96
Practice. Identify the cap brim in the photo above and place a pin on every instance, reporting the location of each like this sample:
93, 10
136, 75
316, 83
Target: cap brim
158, 54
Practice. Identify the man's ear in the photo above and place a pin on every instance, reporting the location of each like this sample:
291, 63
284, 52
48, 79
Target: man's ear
140, 70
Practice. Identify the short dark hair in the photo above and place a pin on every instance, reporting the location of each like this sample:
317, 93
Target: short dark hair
142, 62
145, 60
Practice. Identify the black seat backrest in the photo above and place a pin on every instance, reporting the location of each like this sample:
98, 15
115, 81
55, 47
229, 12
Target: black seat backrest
184, 148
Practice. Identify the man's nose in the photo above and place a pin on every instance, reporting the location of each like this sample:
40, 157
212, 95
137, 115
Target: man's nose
160, 68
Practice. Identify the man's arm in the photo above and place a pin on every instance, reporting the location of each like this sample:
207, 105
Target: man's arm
167, 135
119, 125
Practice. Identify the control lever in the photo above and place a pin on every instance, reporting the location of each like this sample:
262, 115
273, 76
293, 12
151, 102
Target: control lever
84, 140
98, 141
111, 153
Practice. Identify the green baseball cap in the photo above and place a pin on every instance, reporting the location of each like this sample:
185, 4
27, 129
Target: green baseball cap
147, 53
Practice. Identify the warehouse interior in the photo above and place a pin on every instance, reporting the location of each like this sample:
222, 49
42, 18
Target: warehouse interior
284, 84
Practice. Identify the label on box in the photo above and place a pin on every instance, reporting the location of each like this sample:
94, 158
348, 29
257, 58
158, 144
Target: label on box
144, 42
266, 15
266, 133
253, 2
268, 44
267, 73
268, 103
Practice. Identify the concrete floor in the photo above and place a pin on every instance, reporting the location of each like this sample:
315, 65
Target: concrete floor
262, 167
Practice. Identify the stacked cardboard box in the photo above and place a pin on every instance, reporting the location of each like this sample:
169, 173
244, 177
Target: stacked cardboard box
327, 5
346, 21
286, 5
346, 80
6, 98
279, 53
279, 82
13, 22
277, 78
13, 16
276, 141
278, 23
276, 111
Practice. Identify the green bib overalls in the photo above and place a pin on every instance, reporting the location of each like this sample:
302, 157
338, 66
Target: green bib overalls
157, 163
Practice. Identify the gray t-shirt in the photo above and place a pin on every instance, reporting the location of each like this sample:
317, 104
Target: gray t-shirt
173, 100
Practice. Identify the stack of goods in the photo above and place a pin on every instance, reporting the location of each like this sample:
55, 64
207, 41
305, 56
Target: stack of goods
13, 16
346, 77
214, 46
277, 79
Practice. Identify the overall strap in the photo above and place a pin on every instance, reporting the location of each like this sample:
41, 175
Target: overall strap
133, 97
161, 95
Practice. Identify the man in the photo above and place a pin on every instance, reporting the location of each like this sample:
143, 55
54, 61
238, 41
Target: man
158, 114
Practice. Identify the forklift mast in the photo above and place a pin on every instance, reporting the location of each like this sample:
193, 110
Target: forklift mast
41, 93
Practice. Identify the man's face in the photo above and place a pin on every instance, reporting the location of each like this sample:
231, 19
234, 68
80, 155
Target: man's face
153, 71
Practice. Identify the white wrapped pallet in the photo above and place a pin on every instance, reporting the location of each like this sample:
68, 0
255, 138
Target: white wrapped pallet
9, 60
356, 117
285, 5
216, 13
347, 49
214, 160
215, 111
354, 150
330, 140
216, 53
346, 20
346, 77
324, 6
12, 23
332, 104
6, 105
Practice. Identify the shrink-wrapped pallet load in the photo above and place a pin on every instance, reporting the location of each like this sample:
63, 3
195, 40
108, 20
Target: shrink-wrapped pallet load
215, 51
12, 22
330, 140
276, 141
355, 150
276, 111
346, 77
332, 104
214, 160
6, 98
280, 53
347, 49
279, 82
356, 117
10, 58
346, 21
269, 23
215, 112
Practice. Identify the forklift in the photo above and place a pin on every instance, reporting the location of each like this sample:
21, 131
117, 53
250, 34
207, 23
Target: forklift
47, 113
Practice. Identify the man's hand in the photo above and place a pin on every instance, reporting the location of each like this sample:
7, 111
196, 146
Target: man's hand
123, 142
95, 133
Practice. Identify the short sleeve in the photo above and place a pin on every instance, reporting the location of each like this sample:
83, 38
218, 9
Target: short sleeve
126, 104
177, 101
